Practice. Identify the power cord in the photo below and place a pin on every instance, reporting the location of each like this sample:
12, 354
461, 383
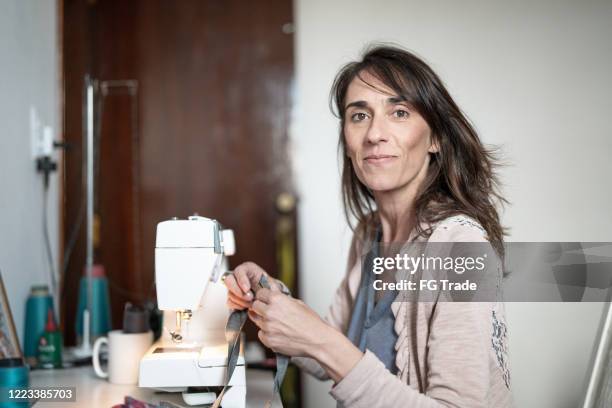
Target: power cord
46, 166
46, 236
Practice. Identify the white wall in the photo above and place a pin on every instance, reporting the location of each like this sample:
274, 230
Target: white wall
28, 77
533, 76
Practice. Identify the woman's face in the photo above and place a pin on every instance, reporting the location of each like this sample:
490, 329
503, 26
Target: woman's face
386, 139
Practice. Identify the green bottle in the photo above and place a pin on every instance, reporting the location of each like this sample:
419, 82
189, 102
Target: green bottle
50, 345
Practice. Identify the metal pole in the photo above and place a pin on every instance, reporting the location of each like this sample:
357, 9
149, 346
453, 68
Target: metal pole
90, 212
601, 362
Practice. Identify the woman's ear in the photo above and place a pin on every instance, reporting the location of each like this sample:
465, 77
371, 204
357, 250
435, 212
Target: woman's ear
434, 147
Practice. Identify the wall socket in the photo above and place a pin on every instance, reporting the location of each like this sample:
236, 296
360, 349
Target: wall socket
41, 137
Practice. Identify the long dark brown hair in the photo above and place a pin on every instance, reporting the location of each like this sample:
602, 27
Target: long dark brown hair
461, 178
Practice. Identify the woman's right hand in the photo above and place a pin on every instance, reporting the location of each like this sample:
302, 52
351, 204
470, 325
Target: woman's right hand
240, 284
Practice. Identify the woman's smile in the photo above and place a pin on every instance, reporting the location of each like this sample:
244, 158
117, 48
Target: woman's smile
379, 159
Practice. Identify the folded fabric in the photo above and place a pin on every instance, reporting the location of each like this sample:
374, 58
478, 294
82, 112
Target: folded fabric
130, 402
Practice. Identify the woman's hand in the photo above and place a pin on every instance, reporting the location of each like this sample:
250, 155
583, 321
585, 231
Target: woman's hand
287, 325
240, 284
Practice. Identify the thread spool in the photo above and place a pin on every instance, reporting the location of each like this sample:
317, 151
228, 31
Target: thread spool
38, 304
100, 316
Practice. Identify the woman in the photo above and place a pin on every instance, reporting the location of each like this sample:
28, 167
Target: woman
414, 171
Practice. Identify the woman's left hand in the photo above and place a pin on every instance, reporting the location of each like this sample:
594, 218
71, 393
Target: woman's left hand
287, 325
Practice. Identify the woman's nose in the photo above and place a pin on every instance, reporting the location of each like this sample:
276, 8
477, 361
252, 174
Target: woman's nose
376, 132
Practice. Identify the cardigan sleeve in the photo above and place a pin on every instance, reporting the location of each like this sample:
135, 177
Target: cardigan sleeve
457, 362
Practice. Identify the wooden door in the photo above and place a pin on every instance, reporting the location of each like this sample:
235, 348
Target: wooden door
207, 134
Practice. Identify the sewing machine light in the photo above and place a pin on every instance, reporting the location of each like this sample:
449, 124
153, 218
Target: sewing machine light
228, 242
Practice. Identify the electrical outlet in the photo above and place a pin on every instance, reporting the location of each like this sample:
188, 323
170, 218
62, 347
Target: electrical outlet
46, 143
41, 137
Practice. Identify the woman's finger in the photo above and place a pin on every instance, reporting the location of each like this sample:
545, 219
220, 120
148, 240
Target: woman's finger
230, 283
263, 295
255, 318
248, 275
240, 298
263, 337
234, 289
243, 281
260, 307
244, 304
234, 306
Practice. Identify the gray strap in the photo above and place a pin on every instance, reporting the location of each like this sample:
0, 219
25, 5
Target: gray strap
282, 362
233, 329
232, 336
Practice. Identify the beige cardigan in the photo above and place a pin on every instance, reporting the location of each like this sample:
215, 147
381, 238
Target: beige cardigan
448, 354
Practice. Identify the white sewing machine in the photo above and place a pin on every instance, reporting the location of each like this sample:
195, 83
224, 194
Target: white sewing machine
192, 351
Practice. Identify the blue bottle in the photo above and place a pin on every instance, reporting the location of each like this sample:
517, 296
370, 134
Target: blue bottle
38, 304
14, 375
100, 315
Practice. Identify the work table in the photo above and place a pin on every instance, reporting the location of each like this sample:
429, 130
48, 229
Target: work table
94, 392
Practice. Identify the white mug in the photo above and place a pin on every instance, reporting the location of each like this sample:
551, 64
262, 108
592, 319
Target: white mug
124, 353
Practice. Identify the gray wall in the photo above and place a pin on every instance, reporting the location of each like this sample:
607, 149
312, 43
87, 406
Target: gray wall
534, 77
28, 77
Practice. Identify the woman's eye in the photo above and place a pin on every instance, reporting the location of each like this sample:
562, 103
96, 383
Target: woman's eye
400, 113
358, 117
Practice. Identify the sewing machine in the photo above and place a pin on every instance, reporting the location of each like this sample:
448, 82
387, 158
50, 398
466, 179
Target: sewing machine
192, 351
